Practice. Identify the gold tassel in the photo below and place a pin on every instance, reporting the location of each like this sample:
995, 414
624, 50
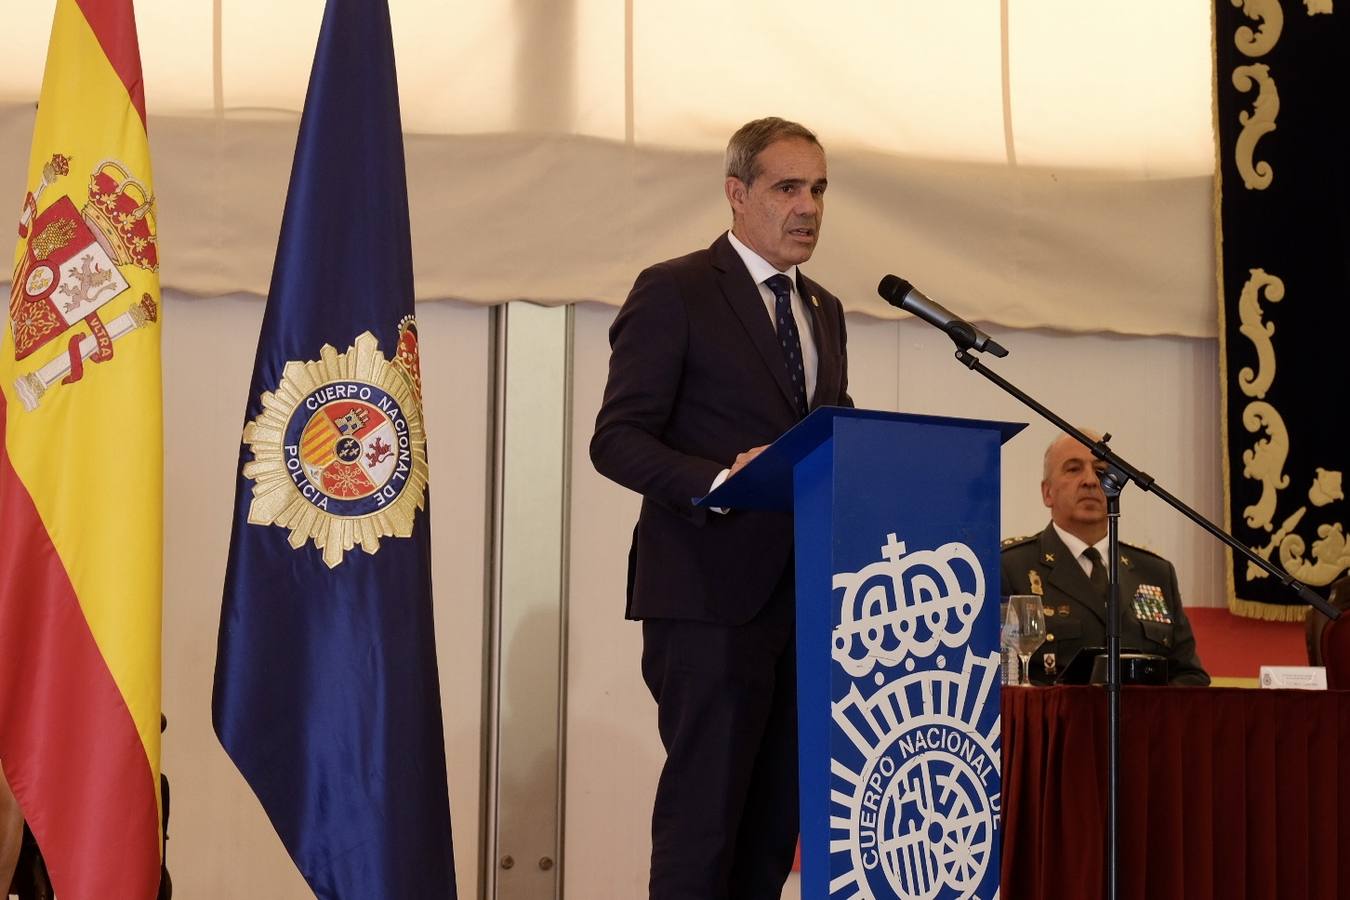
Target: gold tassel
1267, 612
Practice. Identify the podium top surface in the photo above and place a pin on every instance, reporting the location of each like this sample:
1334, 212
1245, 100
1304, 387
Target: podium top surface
766, 483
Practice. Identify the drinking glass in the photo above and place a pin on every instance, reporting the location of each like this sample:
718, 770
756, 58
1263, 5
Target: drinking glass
1024, 629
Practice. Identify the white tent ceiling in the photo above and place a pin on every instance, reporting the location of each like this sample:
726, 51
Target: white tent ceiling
1036, 161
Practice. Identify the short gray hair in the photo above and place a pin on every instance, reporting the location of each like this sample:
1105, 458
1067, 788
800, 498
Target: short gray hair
1063, 435
752, 138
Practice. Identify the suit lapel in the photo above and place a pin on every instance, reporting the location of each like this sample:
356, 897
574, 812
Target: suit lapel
746, 301
828, 364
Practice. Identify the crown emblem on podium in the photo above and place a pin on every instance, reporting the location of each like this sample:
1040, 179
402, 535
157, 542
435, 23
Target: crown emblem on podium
122, 213
909, 604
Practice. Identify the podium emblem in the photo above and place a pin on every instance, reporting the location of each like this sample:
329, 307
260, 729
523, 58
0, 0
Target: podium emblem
907, 607
916, 794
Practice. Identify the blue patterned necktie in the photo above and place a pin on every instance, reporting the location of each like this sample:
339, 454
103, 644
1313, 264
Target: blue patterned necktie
788, 338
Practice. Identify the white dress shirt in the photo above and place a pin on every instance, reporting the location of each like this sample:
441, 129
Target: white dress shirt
760, 271
1078, 547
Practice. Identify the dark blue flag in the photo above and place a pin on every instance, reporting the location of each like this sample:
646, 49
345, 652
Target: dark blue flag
326, 692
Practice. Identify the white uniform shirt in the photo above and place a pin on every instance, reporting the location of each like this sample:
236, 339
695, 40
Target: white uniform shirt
1078, 547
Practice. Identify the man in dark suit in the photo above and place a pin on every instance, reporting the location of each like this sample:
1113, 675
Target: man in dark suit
714, 355
1066, 565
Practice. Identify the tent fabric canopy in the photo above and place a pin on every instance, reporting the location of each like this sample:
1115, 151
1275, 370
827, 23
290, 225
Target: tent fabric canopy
1032, 164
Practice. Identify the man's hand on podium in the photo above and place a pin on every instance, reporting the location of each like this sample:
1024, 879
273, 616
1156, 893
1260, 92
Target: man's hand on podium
743, 459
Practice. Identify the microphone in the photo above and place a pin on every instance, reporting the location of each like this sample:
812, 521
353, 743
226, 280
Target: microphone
901, 294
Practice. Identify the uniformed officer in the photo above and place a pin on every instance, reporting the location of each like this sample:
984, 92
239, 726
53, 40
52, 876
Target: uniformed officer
1065, 565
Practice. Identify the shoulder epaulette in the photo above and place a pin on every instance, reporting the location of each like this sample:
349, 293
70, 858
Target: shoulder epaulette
1139, 548
1014, 541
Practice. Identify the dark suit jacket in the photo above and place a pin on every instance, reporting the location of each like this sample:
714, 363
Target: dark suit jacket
697, 376
1152, 618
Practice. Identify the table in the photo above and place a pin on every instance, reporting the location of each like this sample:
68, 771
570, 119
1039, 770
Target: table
1226, 794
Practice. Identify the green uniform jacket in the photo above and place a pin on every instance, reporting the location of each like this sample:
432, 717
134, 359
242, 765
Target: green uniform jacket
1152, 618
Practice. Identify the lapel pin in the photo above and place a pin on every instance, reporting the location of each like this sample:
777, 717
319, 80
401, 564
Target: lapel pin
815, 301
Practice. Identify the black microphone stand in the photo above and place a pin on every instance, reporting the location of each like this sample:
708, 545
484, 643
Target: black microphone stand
1117, 475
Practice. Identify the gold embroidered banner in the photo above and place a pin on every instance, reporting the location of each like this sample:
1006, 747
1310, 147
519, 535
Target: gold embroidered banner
1284, 272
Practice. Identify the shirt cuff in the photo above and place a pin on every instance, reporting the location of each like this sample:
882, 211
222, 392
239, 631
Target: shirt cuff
717, 482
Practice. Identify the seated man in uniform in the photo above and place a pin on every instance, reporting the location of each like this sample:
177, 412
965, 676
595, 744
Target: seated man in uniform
1065, 564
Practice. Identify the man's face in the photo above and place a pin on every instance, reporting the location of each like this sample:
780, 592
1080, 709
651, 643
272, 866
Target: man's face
1072, 490
778, 214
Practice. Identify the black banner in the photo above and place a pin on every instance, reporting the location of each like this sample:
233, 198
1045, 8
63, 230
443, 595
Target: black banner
1281, 95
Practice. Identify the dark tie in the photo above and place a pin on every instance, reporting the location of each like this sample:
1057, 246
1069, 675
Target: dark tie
788, 339
1098, 574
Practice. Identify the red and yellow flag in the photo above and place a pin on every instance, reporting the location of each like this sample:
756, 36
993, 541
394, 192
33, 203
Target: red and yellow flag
81, 471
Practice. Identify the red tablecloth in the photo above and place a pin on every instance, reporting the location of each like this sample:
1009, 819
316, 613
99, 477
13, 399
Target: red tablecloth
1225, 794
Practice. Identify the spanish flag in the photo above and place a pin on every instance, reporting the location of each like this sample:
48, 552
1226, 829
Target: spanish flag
81, 472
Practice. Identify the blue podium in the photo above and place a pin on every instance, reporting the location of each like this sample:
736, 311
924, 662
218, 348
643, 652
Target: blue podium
897, 554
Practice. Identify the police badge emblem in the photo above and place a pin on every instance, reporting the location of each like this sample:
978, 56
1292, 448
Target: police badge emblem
339, 449
916, 795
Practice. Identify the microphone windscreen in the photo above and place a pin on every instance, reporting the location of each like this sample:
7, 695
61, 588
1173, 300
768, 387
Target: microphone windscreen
893, 289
